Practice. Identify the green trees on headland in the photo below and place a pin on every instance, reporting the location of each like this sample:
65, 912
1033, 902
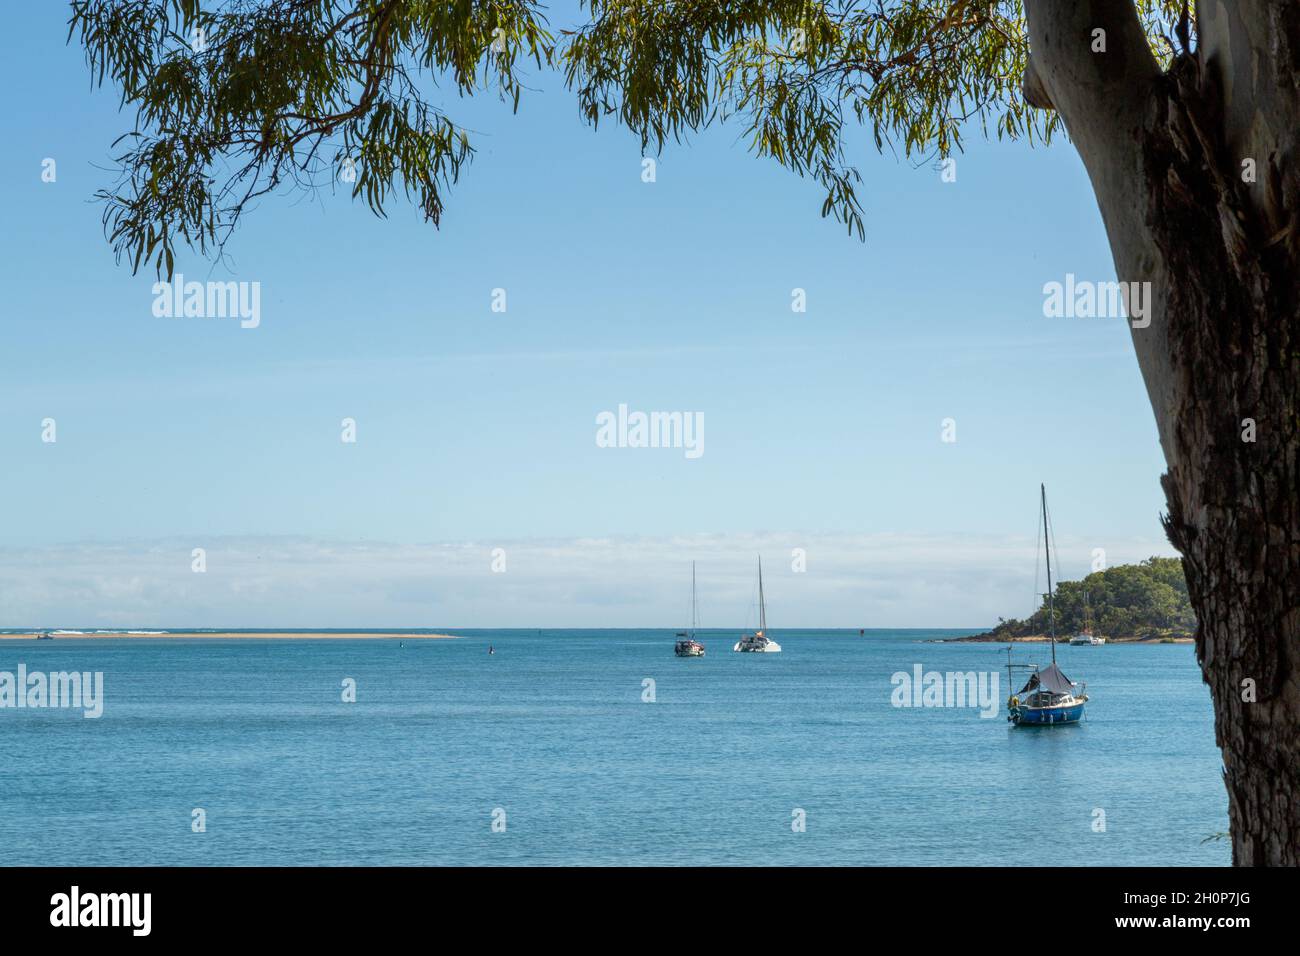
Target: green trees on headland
1129, 601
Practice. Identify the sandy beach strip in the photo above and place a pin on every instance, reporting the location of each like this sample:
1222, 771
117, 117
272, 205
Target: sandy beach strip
238, 635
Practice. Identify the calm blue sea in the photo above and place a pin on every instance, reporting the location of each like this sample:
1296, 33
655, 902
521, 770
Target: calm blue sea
553, 730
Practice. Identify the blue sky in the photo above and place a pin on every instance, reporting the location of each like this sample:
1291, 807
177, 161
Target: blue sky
476, 429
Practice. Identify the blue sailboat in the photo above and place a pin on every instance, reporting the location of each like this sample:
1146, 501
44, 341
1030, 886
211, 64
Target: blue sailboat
1048, 697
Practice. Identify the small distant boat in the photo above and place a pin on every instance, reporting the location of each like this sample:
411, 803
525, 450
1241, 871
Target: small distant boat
45, 636
1048, 697
687, 645
688, 648
758, 642
1085, 637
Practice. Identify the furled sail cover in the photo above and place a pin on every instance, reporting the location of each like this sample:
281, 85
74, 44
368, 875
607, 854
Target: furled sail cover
1050, 679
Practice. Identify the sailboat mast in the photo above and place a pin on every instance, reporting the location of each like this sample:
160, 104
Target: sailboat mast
762, 608
1047, 549
694, 607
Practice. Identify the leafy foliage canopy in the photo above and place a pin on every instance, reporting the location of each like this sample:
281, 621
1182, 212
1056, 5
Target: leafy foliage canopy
237, 99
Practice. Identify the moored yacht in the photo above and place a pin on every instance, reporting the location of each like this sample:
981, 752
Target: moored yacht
758, 642
1048, 697
687, 645
1085, 637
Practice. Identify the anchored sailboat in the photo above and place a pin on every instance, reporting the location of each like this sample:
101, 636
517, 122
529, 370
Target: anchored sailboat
1048, 697
758, 642
687, 645
1085, 637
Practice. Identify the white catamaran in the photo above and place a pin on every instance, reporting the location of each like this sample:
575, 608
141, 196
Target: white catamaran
758, 642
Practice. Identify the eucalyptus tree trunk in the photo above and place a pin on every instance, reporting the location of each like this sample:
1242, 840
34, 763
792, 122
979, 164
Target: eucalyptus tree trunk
1196, 174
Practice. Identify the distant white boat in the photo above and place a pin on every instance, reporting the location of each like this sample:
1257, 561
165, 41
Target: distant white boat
1086, 638
758, 642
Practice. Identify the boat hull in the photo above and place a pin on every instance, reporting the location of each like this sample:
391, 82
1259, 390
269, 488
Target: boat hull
771, 647
1023, 716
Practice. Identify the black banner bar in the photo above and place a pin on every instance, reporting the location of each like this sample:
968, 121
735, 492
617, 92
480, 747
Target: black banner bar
369, 905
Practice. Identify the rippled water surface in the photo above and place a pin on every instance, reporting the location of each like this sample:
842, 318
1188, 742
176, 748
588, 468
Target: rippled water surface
553, 730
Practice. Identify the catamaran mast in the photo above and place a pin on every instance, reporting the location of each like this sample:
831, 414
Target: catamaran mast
762, 608
1051, 607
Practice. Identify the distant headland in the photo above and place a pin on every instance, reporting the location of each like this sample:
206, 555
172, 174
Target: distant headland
1142, 603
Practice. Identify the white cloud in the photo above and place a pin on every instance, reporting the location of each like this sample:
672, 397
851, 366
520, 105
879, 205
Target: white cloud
852, 580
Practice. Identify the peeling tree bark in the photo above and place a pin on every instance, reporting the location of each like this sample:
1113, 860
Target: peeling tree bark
1167, 156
